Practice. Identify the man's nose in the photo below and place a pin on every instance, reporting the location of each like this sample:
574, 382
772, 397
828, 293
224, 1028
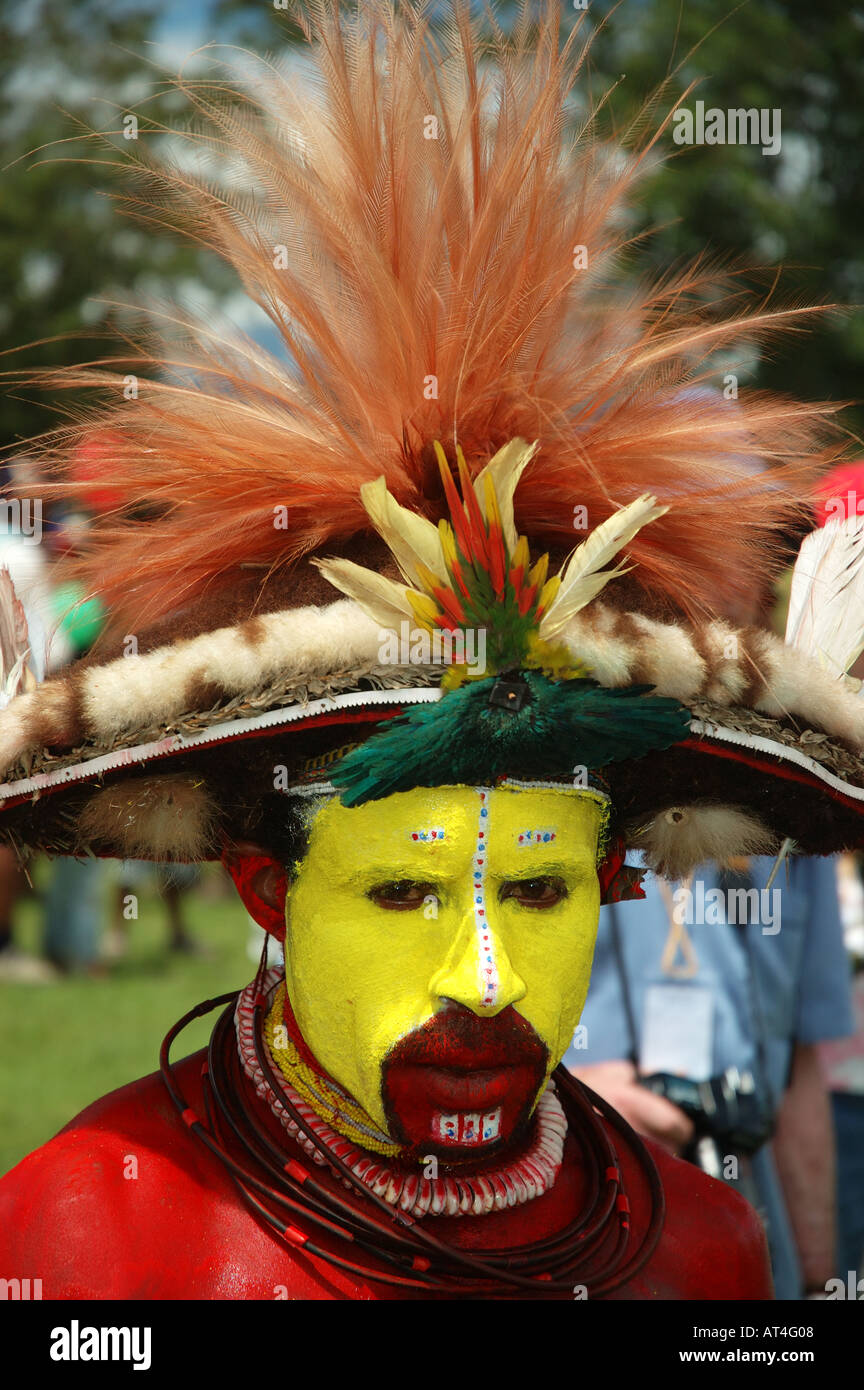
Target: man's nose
478, 972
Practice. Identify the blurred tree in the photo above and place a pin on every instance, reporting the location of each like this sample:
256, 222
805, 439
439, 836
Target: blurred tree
802, 208
62, 242
63, 245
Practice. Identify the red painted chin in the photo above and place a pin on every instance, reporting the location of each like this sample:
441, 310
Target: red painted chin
462, 1086
463, 1113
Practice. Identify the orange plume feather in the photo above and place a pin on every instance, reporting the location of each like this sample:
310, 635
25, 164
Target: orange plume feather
403, 213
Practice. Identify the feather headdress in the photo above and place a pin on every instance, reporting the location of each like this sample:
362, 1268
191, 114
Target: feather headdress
436, 235
436, 238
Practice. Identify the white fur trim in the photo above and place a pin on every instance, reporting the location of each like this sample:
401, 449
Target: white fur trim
798, 685
136, 692
309, 641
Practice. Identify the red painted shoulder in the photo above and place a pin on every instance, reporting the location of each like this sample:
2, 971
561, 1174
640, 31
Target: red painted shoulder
713, 1244
126, 1203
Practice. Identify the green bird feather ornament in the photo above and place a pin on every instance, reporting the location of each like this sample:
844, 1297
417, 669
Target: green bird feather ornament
533, 705
529, 727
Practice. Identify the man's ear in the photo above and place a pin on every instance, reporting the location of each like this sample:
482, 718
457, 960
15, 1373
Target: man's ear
261, 882
619, 882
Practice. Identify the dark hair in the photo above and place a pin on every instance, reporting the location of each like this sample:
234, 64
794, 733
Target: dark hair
284, 827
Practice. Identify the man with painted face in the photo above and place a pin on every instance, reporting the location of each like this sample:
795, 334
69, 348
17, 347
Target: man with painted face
436, 943
416, 1027
385, 1117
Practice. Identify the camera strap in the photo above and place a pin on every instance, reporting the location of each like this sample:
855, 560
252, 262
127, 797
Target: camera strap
757, 1017
624, 982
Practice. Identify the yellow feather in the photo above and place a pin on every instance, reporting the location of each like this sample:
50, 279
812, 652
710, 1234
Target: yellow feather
581, 577
412, 539
385, 601
448, 544
539, 572
424, 609
549, 590
521, 555
488, 501
429, 580
504, 472
440, 454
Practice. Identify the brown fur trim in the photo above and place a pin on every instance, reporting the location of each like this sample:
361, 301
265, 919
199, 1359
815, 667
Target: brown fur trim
253, 631
54, 717
202, 693
168, 818
680, 838
754, 661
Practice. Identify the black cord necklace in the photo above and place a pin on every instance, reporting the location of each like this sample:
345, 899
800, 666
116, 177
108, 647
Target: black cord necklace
592, 1251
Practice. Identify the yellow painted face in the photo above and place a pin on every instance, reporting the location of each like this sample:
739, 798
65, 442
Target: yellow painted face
486, 898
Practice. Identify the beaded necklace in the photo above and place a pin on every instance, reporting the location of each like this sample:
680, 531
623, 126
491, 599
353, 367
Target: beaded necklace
378, 1243
507, 1185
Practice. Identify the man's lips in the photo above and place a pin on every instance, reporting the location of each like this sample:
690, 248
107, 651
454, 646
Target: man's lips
461, 1081
458, 1088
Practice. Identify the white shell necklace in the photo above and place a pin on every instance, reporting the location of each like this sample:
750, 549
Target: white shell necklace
511, 1185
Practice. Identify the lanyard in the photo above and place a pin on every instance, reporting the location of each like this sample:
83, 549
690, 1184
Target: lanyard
678, 942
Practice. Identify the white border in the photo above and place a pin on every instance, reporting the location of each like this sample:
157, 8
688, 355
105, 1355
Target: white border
412, 695
176, 743
778, 750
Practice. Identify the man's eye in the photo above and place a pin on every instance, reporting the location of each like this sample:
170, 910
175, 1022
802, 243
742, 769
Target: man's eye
403, 895
535, 892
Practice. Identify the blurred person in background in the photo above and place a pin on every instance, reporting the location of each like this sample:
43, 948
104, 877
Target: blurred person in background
675, 1001
173, 882
843, 1064
26, 560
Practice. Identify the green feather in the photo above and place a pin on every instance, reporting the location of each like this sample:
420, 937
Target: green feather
465, 740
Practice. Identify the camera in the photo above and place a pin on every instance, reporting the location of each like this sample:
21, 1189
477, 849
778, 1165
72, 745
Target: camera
727, 1114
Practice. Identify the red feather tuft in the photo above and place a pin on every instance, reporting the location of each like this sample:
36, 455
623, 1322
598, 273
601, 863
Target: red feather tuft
497, 558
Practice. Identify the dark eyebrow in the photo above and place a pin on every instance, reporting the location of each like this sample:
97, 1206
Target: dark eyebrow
544, 869
370, 874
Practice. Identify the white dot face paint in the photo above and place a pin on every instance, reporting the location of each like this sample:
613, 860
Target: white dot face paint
536, 837
463, 1128
362, 976
489, 978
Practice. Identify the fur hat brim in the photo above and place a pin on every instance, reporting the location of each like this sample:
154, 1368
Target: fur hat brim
724, 791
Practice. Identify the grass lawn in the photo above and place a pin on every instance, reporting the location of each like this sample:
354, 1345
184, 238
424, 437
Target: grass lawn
63, 1045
